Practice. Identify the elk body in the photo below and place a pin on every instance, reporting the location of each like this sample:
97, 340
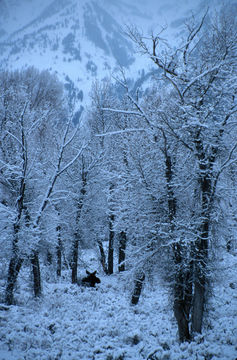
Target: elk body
90, 280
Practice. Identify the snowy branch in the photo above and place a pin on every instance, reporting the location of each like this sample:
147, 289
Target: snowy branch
57, 173
120, 132
200, 76
17, 140
127, 112
72, 161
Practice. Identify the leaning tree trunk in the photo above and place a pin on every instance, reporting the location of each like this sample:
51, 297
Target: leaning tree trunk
122, 248
14, 265
138, 283
36, 274
13, 271
102, 256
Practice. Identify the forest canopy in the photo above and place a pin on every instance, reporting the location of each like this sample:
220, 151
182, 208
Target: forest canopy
147, 178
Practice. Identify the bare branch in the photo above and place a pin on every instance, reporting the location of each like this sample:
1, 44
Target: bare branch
193, 33
226, 164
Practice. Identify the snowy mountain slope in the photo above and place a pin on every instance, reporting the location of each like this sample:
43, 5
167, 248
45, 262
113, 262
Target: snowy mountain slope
80, 41
83, 40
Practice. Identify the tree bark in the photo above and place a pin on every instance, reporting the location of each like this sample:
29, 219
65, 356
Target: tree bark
198, 305
182, 284
182, 293
15, 262
201, 245
200, 278
111, 246
49, 257
36, 274
206, 162
59, 252
138, 283
183, 301
122, 248
102, 257
13, 271
182, 320
74, 259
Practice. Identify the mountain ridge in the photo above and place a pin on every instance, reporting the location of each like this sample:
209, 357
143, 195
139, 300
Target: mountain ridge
81, 41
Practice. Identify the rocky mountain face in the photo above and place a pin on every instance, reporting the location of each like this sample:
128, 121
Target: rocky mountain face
81, 40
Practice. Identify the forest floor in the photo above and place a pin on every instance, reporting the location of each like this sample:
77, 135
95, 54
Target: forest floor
72, 322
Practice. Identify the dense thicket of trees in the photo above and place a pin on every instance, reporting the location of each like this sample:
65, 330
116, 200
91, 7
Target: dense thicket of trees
148, 179
34, 154
181, 157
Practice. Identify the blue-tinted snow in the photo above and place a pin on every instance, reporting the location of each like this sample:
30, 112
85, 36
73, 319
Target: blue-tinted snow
71, 322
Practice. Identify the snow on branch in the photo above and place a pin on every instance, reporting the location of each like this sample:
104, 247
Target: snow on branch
120, 132
229, 161
72, 137
58, 171
128, 112
192, 35
17, 140
208, 71
140, 111
72, 161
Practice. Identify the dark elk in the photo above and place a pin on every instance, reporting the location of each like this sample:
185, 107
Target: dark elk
91, 279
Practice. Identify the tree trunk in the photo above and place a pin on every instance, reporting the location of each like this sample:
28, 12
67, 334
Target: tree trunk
198, 305
122, 248
36, 274
16, 261
137, 288
74, 259
59, 252
14, 265
182, 320
182, 292
111, 246
182, 281
49, 258
200, 278
183, 301
13, 271
102, 257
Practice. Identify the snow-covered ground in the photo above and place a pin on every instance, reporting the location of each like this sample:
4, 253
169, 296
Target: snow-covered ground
71, 322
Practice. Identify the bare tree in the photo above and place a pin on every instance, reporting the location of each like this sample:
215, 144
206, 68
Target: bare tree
202, 107
193, 120
30, 164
